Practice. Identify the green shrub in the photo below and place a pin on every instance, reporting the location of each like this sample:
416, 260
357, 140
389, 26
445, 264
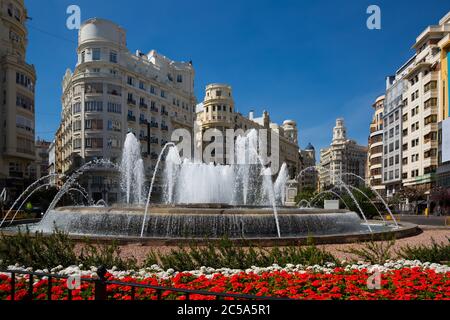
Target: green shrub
105, 255
375, 252
37, 250
41, 251
227, 254
437, 253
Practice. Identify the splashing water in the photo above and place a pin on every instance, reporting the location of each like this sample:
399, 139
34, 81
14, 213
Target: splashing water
132, 170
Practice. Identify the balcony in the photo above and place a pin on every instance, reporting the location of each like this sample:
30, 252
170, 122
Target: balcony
115, 93
154, 109
131, 102
143, 105
164, 127
153, 124
143, 137
164, 113
144, 154
131, 118
143, 121
154, 140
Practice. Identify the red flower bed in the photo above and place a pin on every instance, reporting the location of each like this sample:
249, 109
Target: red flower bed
404, 284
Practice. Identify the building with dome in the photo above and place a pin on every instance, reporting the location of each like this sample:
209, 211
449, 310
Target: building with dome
343, 156
112, 92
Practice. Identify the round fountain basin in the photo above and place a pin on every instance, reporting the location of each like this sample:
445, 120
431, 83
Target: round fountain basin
214, 221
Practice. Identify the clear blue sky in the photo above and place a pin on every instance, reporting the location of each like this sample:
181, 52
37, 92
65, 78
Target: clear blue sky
311, 61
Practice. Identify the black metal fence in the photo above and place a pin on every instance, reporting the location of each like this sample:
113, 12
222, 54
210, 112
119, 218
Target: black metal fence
101, 285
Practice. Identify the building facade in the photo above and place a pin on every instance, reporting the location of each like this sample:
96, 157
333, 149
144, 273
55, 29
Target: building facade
443, 170
420, 111
375, 148
342, 157
309, 177
217, 111
112, 92
17, 112
393, 131
42, 158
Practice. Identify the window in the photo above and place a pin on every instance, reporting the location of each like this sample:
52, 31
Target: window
114, 107
218, 93
77, 143
432, 102
430, 86
114, 125
95, 106
130, 81
141, 85
96, 54
152, 90
179, 78
83, 56
94, 143
77, 125
25, 81
163, 94
113, 56
430, 119
76, 107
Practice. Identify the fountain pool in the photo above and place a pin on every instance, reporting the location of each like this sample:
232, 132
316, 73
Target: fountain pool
206, 201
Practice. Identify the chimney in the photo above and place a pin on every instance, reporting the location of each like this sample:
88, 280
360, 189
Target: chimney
251, 114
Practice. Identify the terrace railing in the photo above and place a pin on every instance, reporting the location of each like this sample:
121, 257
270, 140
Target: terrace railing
101, 286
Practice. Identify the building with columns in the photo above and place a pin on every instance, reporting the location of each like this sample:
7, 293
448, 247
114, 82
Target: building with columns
112, 92
17, 109
217, 111
343, 156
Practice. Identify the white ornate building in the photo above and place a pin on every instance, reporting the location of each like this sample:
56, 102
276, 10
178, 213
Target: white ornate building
217, 111
112, 92
343, 156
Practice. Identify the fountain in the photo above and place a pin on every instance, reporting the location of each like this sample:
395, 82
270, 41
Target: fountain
132, 170
205, 200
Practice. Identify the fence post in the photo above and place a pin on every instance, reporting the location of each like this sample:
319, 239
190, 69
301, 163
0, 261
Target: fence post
100, 284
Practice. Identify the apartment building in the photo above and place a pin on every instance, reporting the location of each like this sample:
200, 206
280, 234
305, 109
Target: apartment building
420, 111
17, 112
375, 148
42, 158
217, 111
393, 131
112, 92
343, 156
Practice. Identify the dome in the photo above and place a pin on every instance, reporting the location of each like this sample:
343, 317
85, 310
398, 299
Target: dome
309, 147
